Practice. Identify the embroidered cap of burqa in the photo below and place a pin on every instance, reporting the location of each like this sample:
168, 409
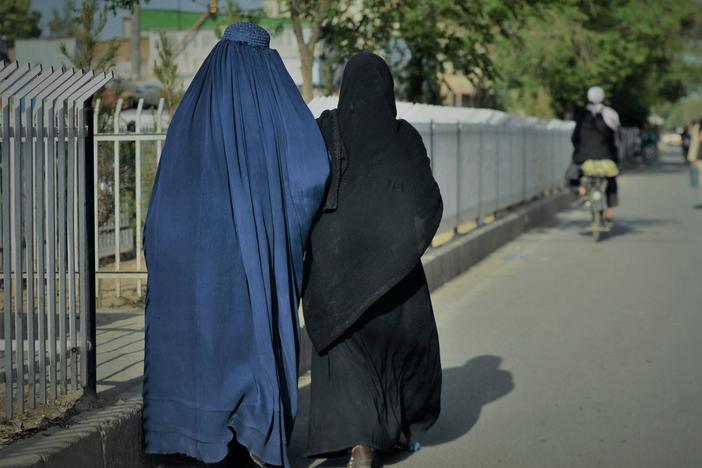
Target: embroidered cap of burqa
241, 177
382, 207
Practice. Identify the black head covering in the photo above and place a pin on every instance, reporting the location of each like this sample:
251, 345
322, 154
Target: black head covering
382, 206
367, 100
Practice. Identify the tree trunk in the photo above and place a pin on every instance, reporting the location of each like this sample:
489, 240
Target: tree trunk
306, 65
136, 42
415, 82
306, 48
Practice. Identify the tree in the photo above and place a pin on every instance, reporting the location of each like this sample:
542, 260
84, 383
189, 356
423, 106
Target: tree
233, 13
115, 5
134, 7
306, 48
17, 21
424, 40
89, 23
316, 13
632, 48
61, 23
166, 72
136, 41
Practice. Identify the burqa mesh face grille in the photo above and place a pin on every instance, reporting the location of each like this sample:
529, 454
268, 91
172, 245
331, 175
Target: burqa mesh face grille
248, 33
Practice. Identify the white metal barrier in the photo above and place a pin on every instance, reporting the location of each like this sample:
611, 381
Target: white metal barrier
485, 160
109, 148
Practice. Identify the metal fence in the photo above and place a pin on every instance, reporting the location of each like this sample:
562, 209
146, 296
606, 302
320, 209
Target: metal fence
138, 134
46, 269
485, 160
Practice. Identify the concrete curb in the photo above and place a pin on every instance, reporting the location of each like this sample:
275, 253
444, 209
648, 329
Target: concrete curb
450, 260
112, 437
109, 437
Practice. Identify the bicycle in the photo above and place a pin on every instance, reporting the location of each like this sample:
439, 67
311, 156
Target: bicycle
594, 181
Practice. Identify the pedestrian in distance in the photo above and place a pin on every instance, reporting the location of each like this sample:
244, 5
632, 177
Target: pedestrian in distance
685, 140
376, 371
693, 153
240, 180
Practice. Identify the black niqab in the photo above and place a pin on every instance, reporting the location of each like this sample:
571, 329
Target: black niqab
382, 209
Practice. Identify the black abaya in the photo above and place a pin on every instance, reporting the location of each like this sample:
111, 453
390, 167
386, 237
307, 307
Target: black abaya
382, 378
376, 371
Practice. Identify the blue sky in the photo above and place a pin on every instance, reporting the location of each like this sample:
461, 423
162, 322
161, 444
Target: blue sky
114, 23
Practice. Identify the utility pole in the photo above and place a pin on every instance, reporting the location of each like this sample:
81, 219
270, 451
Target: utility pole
136, 42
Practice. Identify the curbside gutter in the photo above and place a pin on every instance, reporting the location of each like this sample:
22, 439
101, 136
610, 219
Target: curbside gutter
112, 437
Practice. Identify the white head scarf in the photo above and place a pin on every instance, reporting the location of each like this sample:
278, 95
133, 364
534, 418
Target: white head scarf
595, 97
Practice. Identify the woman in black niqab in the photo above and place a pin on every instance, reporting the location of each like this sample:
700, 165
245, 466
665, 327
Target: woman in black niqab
376, 372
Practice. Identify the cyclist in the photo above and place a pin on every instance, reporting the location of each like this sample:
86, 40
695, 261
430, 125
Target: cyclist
595, 137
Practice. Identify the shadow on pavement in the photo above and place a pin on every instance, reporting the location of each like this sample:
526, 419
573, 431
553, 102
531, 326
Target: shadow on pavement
104, 318
465, 390
621, 226
664, 166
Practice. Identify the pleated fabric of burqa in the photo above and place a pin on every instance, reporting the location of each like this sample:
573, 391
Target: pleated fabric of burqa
241, 177
376, 371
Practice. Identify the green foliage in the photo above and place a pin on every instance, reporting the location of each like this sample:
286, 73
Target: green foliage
316, 14
61, 23
166, 72
631, 48
233, 13
425, 39
17, 21
89, 23
115, 5
681, 112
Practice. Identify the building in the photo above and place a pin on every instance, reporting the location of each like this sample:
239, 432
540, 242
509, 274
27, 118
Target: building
45, 51
192, 45
191, 34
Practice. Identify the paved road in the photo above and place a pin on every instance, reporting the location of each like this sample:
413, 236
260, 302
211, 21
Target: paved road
561, 353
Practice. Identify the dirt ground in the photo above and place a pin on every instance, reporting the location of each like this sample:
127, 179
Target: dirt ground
53, 413
132, 292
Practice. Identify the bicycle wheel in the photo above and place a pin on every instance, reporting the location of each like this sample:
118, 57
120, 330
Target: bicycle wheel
596, 224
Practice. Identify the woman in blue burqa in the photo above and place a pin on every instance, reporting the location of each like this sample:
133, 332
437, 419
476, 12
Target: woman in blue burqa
241, 177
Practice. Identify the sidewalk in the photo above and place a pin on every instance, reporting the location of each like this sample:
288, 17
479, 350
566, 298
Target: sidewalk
111, 435
120, 352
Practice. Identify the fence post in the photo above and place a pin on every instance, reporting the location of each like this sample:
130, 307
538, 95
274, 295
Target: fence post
117, 218
137, 195
459, 125
96, 124
6, 252
159, 129
88, 267
479, 219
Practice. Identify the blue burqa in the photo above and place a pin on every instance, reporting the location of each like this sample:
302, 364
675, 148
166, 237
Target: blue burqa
241, 177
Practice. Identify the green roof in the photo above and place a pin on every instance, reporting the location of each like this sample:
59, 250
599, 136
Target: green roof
174, 20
